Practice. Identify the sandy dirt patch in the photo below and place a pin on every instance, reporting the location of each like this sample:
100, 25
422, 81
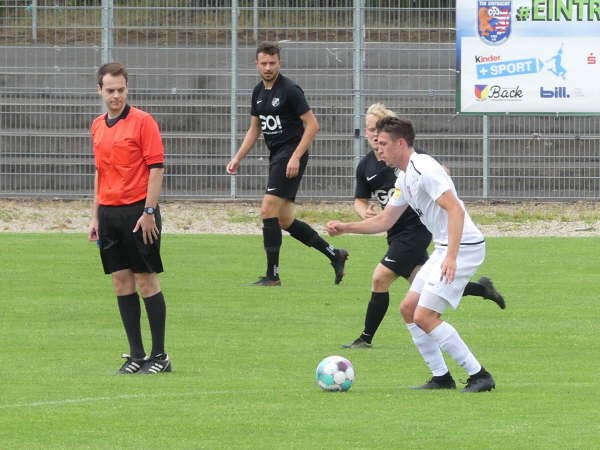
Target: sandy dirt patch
196, 217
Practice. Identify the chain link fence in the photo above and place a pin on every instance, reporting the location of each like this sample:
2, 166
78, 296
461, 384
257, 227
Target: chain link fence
191, 65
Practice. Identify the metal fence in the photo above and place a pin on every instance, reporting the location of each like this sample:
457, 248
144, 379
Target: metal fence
191, 65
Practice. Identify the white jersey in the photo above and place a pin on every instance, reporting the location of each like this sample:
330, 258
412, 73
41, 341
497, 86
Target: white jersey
423, 182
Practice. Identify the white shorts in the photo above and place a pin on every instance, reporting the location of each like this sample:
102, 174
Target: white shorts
469, 259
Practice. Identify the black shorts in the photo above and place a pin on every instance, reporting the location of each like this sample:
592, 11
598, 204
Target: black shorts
407, 250
278, 183
120, 247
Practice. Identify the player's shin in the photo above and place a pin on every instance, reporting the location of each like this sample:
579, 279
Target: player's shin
429, 350
376, 310
272, 244
129, 308
450, 341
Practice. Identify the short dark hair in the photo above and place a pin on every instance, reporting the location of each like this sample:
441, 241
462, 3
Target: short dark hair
112, 68
397, 127
268, 48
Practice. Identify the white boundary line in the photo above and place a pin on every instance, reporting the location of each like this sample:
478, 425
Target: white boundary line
185, 394
121, 397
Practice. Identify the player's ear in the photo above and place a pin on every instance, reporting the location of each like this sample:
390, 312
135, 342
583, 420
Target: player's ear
99, 89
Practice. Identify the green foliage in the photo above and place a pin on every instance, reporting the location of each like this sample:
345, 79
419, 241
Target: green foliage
527, 213
244, 358
311, 215
308, 213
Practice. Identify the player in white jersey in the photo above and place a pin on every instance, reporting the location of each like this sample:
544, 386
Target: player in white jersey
423, 185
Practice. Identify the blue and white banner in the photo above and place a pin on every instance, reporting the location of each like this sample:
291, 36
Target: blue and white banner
528, 56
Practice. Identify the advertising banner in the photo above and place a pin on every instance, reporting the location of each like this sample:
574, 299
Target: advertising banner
528, 56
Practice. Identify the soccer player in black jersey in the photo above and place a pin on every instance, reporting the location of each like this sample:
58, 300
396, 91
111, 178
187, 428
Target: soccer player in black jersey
408, 238
288, 125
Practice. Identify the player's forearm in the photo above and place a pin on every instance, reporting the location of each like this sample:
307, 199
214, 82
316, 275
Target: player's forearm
361, 206
456, 221
372, 225
154, 186
311, 130
247, 144
95, 203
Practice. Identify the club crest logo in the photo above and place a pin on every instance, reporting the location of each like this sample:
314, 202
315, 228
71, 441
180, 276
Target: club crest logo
494, 20
275, 102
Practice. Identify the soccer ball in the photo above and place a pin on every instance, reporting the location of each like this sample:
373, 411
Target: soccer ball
335, 373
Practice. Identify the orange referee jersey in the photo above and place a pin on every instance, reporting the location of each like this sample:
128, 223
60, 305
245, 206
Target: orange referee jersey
123, 154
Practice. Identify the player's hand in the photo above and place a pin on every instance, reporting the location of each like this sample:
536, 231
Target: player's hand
334, 227
233, 166
293, 168
147, 223
93, 230
370, 212
448, 270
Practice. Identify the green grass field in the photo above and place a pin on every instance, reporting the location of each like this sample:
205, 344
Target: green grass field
244, 358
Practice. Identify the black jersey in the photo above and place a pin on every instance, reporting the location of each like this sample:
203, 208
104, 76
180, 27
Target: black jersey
279, 110
375, 178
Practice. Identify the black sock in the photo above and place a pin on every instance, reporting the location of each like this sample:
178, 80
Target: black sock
157, 315
308, 236
272, 243
473, 288
375, 313
129, 307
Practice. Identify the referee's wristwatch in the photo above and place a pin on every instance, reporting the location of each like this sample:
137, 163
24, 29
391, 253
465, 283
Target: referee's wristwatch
149, 210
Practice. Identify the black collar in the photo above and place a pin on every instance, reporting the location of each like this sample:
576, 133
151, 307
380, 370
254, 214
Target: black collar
123, 115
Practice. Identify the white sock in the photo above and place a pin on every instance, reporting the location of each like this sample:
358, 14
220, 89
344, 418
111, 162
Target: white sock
429, 350
449, 340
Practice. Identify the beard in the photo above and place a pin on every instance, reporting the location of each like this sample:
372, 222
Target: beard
269, 77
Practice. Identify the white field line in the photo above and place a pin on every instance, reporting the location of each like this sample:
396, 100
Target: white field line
121, 397
193, 393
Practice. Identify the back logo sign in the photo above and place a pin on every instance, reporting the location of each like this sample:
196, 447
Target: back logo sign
494, 20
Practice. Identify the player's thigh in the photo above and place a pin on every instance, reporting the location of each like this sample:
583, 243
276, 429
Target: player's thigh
407, 251
468, 260
113, 252
143, 257
279, 184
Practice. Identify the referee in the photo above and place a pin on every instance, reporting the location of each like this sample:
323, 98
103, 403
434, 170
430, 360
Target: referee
129, 159
280, 111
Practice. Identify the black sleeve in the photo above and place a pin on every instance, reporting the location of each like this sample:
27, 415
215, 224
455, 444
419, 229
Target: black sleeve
253, 111
297, 101
362, 187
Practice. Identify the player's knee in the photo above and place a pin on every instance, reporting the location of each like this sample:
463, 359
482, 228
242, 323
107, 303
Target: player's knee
285, 222
420, 321
382, 278
148, 285
424, 319
380, 283
407, 311
123, 283
266, 212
